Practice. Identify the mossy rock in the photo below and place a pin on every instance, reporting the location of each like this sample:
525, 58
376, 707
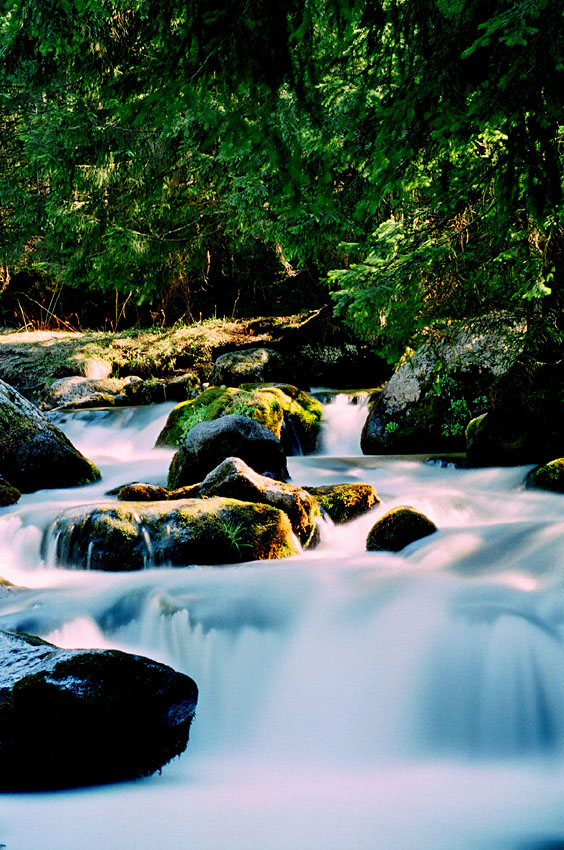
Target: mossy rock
139, 492
8, 495
398, 528
436, 391
251, 364
235, 479
34, 454
209, 443
83, 717
133, 535
550, 476
279, 407
343, 502
526, 421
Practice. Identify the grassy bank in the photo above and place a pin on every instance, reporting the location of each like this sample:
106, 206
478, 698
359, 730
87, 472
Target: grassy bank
32, 360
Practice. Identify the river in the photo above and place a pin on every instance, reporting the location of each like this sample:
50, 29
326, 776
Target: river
348, 700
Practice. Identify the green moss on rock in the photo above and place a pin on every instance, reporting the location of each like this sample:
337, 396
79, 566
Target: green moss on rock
343, 502
273, 405
398, 528
34, 453
550, 476
133, 535
140, 492
8, 495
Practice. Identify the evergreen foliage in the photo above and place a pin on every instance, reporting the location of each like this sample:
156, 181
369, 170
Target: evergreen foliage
408, 153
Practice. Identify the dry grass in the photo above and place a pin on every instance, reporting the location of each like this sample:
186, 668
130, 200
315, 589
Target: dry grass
32, 360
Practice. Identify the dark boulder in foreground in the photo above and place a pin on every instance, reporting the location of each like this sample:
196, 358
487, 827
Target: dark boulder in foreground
34, 454
398, 528
84, 717
209, 443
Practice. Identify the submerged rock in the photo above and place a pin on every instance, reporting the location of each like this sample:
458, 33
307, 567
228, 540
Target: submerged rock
83, 717
132, 535
398, 528
209, 443
290, 413
343, 502
34, 454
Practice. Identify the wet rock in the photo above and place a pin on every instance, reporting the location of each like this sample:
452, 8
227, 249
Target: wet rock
290, 413
133, 535
549, 476
34, 454
234, 478
431, 398
398, 528
139, 492
209, 443
156, 390
83, 717
526, 421
343, 502
8, 495
251, 365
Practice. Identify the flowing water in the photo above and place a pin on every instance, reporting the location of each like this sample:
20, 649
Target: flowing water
348, 700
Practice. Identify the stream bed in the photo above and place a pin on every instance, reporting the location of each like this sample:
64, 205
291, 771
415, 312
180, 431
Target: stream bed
348, 700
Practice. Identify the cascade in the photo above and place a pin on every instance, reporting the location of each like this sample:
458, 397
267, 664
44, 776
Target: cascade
347, 699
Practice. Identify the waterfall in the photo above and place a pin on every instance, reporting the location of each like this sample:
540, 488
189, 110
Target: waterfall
347, 699
344, 414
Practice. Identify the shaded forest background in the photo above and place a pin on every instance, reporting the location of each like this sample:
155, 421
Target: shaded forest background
164, 163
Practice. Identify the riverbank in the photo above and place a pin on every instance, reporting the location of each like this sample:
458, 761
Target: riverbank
31, 361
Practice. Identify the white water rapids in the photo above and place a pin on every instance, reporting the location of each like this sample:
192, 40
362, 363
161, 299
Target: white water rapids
348, 700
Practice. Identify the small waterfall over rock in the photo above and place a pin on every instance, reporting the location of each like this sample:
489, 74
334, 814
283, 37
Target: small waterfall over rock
344, 414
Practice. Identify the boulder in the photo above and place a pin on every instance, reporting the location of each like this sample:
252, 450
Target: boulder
83, 717
235, 479
429, 401
176, 388
123, 536
78, 392
326, 352
251, 365
343, 502
549, 476
525, 423
209, 443
139, 492
34, 454
398, 528
290, 413
8, 495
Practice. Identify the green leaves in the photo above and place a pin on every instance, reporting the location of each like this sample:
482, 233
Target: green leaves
408, 153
